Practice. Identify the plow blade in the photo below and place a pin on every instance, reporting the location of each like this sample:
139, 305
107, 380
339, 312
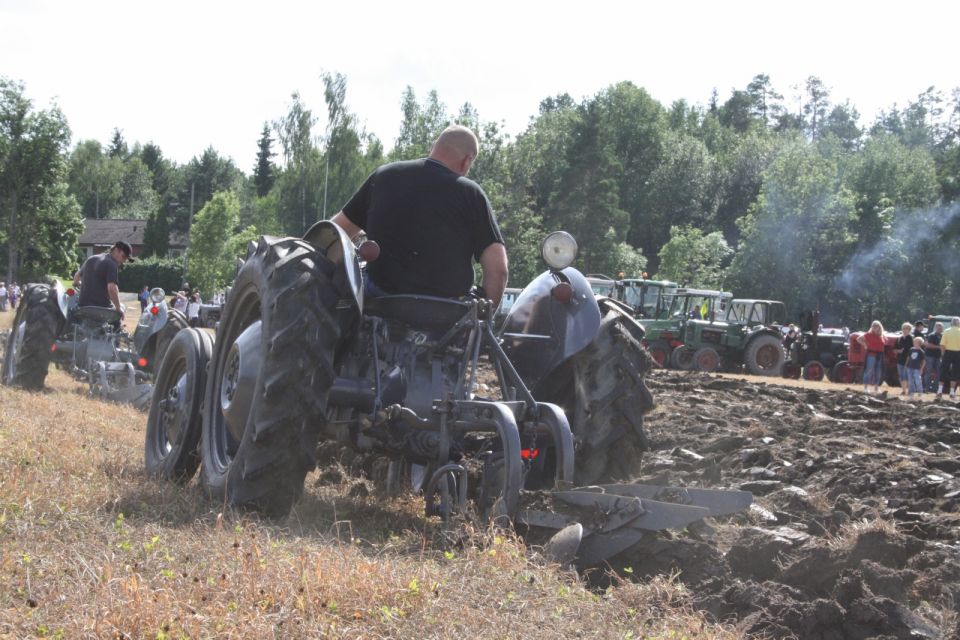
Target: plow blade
596, 523
720, 502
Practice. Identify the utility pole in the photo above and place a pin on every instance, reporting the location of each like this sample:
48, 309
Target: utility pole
186, 253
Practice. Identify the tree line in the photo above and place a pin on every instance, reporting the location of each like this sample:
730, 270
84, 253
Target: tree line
793, 200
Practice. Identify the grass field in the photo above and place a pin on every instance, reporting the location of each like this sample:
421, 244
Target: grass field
92, 547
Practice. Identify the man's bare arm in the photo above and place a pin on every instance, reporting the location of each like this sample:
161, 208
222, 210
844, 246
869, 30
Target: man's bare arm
493, 261
347, 225
76, 278
114, 294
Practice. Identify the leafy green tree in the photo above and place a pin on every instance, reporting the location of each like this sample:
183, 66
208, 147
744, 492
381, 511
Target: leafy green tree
678, 192
264, 171
95, 179
32, 149
138, 200
54, 229
738, 178
198, 180
421, 125
693, 258
797, 238
586, 202
215, 243
737, 111
842, 123
889, 175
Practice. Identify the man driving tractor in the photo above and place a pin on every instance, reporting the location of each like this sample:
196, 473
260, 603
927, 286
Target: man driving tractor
431, 223
99, 276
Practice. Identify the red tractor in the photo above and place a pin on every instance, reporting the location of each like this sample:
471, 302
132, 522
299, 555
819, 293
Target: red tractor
850, 371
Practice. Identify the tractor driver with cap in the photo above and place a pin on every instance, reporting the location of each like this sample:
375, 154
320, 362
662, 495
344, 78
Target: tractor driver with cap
431, 223
99, 276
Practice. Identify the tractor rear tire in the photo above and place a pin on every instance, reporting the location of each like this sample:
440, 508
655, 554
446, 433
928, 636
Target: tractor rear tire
764, 356
706, 359
174, 424
176, 322
813, 370
609, 401
659, 351
35, 328
293, 290
682, 358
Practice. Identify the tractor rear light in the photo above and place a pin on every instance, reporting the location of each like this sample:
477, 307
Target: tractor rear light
529, 454
142, 362
563, 292
71, 291
154, 310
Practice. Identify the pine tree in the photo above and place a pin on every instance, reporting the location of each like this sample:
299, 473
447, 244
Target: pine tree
264, 174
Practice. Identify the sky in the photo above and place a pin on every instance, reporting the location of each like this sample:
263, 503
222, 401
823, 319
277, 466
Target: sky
188, 75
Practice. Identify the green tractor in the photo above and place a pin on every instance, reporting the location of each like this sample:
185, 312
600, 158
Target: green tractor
645, 297
748, 335
667, 327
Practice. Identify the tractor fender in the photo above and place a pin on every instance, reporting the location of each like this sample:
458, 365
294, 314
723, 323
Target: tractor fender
762, 331
63, 300
339, 249
630, 323
149, 325
540, 332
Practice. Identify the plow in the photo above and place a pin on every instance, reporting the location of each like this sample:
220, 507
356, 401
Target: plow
301, 357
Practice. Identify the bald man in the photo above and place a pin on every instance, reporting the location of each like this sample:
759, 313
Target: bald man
431, 222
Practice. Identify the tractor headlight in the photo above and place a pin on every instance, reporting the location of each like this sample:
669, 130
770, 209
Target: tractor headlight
157, 295
559, 250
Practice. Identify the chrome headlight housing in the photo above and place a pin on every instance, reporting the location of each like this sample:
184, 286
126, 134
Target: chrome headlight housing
157, 295
559, 250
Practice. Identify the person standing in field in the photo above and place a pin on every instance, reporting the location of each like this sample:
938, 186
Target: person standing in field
916, 361
872, 341
950, 365
931, 373
902, 349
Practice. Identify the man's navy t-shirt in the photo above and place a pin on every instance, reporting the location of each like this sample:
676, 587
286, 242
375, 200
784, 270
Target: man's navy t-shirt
95, 274
430, 223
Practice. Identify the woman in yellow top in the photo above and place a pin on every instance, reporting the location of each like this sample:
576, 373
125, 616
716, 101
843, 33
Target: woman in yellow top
950, 363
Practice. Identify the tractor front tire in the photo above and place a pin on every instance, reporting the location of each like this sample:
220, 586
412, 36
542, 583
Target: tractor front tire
174, 424
35, 328
176, 322
706, 359
260, 460
610, 400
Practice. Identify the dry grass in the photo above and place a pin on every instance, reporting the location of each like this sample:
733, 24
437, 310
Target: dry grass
91, 547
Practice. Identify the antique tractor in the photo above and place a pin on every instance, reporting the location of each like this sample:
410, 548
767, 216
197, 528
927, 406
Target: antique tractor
817, 354
88, 342
748, 335
301, 355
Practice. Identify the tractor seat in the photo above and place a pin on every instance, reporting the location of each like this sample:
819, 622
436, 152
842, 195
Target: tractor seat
419, 312
106, 315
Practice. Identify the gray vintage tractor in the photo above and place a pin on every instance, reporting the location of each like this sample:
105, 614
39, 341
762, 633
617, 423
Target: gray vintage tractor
300, 355
88, 342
